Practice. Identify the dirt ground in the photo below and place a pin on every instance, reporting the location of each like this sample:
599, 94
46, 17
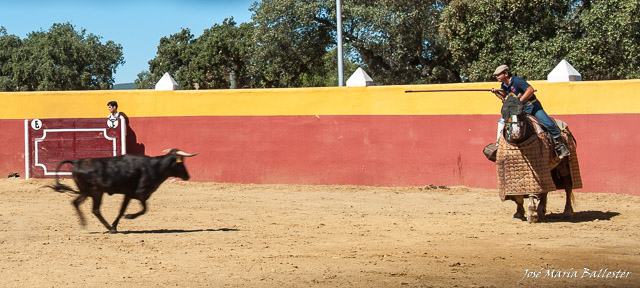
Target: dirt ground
228, 235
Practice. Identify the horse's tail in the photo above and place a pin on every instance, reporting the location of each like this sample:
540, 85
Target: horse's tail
570, 136
59, 187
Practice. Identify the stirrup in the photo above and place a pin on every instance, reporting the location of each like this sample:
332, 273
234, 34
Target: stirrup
562, 151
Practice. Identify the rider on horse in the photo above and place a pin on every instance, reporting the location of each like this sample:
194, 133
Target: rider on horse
520, 87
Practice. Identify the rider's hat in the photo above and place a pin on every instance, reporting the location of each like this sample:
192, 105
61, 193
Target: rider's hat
501, 69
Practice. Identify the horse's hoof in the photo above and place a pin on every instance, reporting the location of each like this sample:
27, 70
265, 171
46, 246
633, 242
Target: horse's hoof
532, 218
517, 216
566, 216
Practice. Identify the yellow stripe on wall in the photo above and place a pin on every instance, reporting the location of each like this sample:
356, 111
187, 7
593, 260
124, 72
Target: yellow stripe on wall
587, 97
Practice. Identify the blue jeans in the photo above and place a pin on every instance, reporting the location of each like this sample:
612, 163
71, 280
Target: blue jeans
536, 110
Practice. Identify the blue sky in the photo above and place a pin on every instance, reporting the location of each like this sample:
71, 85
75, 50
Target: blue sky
136, 25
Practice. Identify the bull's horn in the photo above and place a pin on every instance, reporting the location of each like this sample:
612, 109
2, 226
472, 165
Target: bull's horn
186, 154
181, 153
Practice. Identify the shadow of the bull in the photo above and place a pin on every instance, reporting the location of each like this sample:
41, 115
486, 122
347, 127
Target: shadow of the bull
170, 231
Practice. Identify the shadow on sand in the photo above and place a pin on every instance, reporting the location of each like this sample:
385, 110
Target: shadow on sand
171, 231
581, 216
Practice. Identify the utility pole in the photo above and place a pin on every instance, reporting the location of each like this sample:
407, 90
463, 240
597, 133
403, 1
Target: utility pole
339, 26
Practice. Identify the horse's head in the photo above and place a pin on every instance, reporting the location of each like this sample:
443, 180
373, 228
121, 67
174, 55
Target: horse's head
515, 128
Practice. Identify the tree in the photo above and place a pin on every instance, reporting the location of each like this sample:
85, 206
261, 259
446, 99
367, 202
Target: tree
145, 80
8, 46
222, 56
216, 59
600, 39
396, 41
606, 40
173, 56
59, 59
289, 42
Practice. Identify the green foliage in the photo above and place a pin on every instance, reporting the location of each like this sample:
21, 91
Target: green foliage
600, 39
292, 43
215, 60
607, 45
289, 41
397, 41
9, 44
59, 59
145, 80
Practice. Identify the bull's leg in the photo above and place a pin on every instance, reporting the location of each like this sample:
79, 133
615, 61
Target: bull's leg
97, 200
125, 203
144, 210
542, 206
76, 203
519, 215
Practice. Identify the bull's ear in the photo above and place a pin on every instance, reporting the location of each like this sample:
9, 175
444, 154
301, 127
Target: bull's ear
179, 160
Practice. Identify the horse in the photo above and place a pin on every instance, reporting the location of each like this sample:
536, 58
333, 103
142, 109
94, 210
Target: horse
528, 166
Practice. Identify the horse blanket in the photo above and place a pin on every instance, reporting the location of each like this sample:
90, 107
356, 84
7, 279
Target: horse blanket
524, 168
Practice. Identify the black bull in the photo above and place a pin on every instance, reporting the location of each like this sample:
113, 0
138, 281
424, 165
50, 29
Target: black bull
135, 176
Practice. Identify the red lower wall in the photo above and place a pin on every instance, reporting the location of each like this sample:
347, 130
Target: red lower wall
361, 150
12, 143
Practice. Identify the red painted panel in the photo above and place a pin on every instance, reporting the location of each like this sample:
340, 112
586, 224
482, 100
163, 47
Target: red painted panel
54, 140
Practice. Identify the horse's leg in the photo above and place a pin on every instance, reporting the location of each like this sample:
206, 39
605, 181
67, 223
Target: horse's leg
565, 173
542, 206
519, 215
568, 206
532, 215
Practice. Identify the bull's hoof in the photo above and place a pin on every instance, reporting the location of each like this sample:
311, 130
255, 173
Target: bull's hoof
130, 216
111, 231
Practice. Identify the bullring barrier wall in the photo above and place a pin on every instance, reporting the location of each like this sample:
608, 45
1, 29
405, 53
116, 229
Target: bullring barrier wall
377, 135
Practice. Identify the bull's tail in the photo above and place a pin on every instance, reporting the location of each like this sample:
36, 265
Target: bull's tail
59, 186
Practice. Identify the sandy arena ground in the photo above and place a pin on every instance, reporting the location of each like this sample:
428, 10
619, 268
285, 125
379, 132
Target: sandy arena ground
228, 235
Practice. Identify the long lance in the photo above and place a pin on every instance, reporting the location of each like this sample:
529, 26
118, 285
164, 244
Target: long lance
452, 90
448, 90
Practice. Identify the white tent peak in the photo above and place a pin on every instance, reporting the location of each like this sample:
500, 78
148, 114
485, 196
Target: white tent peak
359, 78
564, 72
166, 83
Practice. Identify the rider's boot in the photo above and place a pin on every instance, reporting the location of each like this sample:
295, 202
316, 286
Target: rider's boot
561, 150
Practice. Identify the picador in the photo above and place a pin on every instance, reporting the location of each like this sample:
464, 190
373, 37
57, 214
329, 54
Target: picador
515, 85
